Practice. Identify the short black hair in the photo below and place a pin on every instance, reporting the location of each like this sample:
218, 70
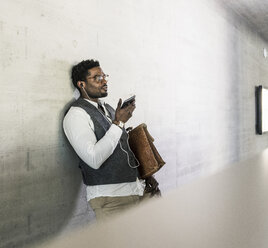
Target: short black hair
80, 71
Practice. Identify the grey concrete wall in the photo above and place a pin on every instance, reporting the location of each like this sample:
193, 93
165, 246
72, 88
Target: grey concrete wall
192, 64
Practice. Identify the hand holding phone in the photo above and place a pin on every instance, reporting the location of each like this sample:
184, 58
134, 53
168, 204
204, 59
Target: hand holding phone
124, 111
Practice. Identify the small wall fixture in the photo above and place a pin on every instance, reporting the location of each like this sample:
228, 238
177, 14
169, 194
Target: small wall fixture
261, 109
265, 53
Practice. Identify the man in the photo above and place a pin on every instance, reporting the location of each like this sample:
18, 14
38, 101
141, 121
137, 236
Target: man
96, 132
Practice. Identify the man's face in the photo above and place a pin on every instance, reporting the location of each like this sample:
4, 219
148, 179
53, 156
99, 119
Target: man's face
96, 88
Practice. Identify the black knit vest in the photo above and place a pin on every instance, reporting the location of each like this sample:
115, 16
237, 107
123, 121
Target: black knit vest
116, 169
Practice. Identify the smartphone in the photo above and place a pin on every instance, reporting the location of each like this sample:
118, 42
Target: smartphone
128, 101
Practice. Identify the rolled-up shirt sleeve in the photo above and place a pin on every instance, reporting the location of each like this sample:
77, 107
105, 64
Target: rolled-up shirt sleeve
79, 130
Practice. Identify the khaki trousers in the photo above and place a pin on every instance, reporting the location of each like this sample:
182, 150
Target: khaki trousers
105, 207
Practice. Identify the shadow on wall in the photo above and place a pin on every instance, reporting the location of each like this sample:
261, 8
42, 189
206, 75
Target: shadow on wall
40, 193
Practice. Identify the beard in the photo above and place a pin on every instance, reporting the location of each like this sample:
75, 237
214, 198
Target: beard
104, 94
100, 95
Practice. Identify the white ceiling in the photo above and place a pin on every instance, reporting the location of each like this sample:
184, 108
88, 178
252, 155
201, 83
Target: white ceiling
255, 11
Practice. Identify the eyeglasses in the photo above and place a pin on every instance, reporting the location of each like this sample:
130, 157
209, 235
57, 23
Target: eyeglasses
99, 78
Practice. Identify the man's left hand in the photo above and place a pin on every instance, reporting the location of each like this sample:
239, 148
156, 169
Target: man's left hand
152, 186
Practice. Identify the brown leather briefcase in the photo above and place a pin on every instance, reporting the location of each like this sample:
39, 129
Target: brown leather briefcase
141, 143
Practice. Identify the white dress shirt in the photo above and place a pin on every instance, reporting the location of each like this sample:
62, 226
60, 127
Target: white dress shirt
79, 129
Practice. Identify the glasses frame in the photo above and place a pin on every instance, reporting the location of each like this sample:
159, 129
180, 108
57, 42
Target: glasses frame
99, 78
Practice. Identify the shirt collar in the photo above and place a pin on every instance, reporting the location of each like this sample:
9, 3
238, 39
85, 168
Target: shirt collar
94, 103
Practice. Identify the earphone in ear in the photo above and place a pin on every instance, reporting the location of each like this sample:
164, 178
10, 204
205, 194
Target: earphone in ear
83, 89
